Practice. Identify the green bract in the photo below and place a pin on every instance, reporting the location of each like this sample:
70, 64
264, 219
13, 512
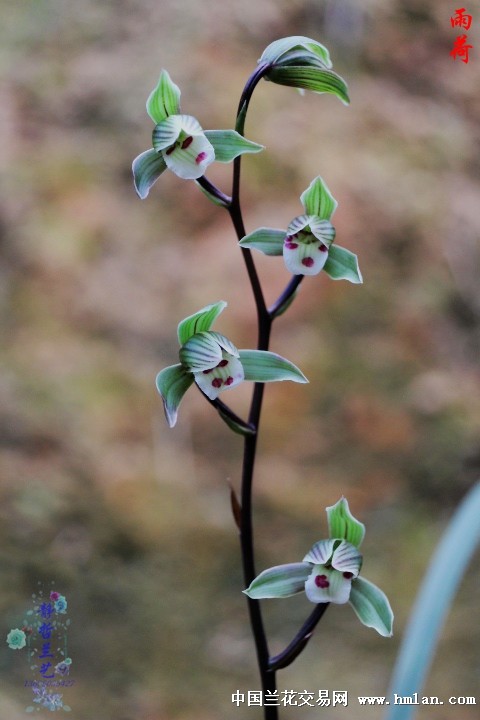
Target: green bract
307, 244
329, 573
303, 63
213, 362
179, 142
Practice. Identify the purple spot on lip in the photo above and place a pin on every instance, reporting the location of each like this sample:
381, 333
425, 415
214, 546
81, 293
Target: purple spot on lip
200, 157
188, 141
217, 382
321, 581
308, 261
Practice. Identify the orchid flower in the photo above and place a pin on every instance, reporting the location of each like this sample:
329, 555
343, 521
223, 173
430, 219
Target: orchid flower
179, 142
307, 244
329, 573
213, 362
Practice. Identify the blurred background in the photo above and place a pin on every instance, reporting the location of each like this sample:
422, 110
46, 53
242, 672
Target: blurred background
132, 520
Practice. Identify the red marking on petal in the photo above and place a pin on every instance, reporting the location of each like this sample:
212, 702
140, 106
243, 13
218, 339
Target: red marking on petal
321, 581
347, 575
217, 382
205, 372
229, 380
291, 245
201, 156
170, 149
222, 363
323, 248
188, 141
308, 261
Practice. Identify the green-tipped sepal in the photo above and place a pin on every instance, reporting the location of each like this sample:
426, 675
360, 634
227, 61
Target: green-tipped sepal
229, 144
172, 384
342, 524
318, 200
342, 264
164, 100
264, 366
372, 607
147, 168
200, 321
280, 581
269, 241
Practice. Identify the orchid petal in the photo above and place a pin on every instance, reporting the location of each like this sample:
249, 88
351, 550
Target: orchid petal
347, 559
279, 581
200, 352
227, 374
318, 200
265, 366
146, 169
343, 265
200, 321
164, 100
269, 241
229, 144
172, 384
342, 524
327, 585
323, 230
190, 161
371, 606
305, 259
321, 552
167, 131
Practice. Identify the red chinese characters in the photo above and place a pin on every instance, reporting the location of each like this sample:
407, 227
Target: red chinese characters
460, 48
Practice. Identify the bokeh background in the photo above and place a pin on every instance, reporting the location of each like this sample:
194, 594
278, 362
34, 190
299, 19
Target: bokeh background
131, 520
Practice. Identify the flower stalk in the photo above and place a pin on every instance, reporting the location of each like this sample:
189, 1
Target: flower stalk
329, 573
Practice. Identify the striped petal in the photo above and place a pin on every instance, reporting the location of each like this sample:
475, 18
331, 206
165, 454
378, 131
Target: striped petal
166, 133
229, 144
347, 559
164, 100
200, 352
172, 384
279, 581
323, 230
318, 200
320, 553
146, 169
199, 321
